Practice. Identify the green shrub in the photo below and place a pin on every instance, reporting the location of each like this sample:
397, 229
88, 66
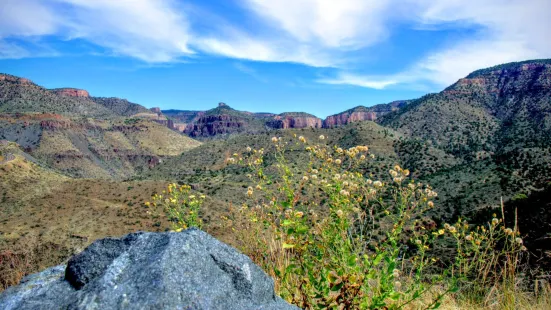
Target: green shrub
180, 206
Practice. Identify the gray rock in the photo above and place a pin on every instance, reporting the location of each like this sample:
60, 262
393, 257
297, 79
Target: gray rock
187, 270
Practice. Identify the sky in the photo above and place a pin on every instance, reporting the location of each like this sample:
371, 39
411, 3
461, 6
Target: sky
316, 56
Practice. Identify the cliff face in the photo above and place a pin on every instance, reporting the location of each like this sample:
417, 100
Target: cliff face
294, 120
213, 125
502, 81
15, 79
71, 92
361, 113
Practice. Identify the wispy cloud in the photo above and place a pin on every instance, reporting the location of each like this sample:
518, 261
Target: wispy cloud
316, 33
343, 24
250, 71
358, 80
153, 31
9, 50
509, 31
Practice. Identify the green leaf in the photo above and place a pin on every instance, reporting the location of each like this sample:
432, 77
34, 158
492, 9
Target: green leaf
302, 229
337, 287
351, 260
391, 267
288, 246
290, 268
377, 260
287, 223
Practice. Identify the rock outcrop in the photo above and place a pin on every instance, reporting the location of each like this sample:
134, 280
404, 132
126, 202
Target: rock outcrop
15, 79
361, 113
504, 80
71, 92
187, 270
213, 125
294, 120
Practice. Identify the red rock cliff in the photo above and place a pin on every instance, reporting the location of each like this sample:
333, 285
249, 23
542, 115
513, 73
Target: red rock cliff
14, 79
291, 121
71, 92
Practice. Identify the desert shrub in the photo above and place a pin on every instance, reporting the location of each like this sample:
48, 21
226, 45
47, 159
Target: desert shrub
313, 229
334, 236
180, 206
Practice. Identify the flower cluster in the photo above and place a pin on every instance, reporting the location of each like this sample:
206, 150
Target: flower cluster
180, 206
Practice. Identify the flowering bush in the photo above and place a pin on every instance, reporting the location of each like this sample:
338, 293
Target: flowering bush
180, 206
334, 236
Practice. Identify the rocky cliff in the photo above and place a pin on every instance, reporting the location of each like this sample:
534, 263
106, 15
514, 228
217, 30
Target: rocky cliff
361, 113
294, 120
71, 92
213, 125
15, 79
187, 270
221, 122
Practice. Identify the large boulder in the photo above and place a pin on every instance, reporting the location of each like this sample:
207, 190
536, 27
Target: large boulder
187, 270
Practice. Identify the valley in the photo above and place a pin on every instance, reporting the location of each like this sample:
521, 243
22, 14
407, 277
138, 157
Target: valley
75, 168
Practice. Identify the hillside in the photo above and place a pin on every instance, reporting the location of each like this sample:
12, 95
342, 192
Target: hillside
20, 95
207, 170
121, 107
495, 124
114, 148
492, 110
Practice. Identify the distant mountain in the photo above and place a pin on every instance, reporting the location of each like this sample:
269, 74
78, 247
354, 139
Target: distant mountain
20, 95
361, 113
83, 136
494, 124
121, 107
223, 121
294, 120
115, 148
491, 110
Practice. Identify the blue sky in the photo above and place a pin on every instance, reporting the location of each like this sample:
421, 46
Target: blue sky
318, 56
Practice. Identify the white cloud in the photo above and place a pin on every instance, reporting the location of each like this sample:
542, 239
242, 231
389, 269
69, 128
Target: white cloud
243, 47
317, 33
343, 24
358, 80
512, 30
26, 18
150, 30
9, 50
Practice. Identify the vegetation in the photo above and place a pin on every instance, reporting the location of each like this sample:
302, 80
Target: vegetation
483, 139
333, 237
